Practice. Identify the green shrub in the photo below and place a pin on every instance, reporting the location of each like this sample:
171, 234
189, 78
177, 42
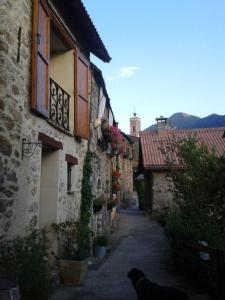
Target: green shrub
100, 200
140, 188
25, 260
83, 241
200, 193
101, 240
67, 233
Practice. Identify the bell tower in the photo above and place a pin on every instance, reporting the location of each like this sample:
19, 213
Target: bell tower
135, 125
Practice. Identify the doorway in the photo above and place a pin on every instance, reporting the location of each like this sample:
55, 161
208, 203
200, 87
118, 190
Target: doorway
49, 187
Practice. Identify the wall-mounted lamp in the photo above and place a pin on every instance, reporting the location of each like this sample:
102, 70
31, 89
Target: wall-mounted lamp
28, 147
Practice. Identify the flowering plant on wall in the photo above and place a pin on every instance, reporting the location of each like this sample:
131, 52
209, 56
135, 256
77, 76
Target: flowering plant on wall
115, 187
113, 136
116, 173
115, 181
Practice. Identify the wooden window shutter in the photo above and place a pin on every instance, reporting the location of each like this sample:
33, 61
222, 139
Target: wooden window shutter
82, 76
40, 59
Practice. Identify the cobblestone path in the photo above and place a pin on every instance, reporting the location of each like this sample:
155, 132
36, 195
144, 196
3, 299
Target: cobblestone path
139, 242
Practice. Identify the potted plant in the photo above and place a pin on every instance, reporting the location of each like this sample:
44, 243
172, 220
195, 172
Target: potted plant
74, 251
100, 245
98, 203
25, 260
112, 202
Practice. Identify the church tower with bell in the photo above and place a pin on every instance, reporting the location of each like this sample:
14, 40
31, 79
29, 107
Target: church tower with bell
135, 125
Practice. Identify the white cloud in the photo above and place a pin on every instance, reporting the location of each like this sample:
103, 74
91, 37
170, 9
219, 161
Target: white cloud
124, 72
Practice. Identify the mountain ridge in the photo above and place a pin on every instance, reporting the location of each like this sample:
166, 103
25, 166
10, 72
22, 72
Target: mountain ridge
181, 120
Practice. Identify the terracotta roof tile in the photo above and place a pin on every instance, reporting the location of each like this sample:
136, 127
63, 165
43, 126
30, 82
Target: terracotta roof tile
155, 146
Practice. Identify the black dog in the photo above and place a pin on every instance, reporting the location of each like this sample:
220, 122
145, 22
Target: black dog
147, 290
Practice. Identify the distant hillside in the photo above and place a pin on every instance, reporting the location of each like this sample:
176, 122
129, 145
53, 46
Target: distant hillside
183, 120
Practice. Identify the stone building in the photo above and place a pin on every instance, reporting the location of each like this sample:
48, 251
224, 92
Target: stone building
135, 128
126, 171
135, 125
47, 112
101, 111
154, 160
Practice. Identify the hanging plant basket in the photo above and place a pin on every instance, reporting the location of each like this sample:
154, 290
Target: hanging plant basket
110, 205
97, 208
103, 144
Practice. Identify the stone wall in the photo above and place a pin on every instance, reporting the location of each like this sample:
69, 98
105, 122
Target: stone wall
126, 180
20, 179
162, 193
14, 92
102, 168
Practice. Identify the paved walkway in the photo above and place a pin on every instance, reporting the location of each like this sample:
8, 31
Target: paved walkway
139, 242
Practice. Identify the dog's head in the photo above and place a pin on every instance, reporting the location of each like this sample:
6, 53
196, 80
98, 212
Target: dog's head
135, 275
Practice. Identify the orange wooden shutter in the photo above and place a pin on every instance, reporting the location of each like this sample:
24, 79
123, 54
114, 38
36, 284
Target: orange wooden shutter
40, 59
81, 119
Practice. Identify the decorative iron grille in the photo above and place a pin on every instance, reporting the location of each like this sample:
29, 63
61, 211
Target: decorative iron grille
59, 105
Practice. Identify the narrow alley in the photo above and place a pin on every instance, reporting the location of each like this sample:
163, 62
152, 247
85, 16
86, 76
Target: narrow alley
138, 242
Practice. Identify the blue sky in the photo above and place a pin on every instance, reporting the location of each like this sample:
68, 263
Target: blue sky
167, 56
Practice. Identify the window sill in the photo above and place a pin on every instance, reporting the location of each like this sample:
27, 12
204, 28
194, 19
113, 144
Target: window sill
60, 128
70, 192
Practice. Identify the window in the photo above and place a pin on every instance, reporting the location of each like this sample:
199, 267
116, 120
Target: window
51, 43
69, 177
71, 162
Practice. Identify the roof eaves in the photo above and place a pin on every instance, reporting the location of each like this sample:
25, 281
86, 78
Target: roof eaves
100, 51
162, 168
78, 18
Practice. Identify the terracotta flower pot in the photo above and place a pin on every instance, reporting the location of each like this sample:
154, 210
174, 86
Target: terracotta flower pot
73, 271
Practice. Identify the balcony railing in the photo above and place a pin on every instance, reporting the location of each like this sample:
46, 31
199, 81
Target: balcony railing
59, 105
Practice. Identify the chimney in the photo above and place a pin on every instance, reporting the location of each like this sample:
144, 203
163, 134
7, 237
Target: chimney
162, 124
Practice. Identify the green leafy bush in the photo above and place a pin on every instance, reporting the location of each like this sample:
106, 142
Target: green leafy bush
101, 240
140, 188
83, 241
100, 200
67, 234
25, 260
200, 194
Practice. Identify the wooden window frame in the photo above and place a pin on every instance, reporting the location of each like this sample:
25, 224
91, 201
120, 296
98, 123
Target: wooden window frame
68, 40
71, 162
79, 55
36, 53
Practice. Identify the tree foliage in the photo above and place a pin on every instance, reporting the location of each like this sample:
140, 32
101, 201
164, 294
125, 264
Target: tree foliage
200, 193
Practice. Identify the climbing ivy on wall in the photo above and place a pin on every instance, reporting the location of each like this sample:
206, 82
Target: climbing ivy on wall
86, 191
84, 232
115, 177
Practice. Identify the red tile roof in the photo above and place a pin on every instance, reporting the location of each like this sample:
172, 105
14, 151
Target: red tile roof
154, 146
